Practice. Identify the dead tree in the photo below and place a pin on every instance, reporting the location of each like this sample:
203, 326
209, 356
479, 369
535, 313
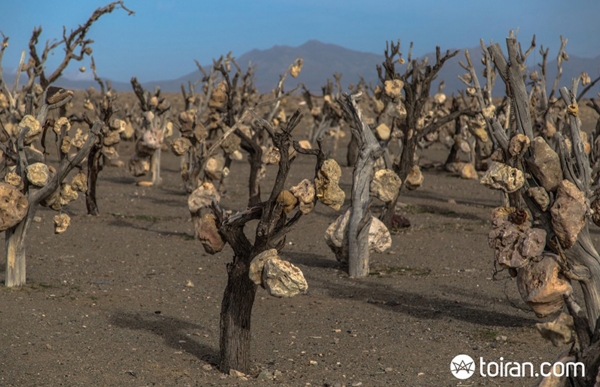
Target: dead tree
76, 46
327, 115
29, 178
542, 235
256, 263
150, 136
33, 183
359, 222
403, 100
103, 152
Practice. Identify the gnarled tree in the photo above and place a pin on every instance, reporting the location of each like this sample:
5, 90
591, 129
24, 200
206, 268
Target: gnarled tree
542, 233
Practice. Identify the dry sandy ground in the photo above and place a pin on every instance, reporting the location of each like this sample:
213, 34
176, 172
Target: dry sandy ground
129, 298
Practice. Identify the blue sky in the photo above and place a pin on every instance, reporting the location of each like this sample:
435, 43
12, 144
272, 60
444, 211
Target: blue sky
164, 37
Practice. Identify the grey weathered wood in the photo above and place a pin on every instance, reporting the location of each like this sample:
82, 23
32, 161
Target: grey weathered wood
360, 214
16, 236
512, 74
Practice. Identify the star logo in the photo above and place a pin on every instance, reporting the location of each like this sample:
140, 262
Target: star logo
462, 367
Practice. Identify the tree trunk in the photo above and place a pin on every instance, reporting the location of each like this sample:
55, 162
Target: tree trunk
360, 216
352, 155
360, 213
155, 167
236, 312
15, 252
92, 178
402, 170
584, 255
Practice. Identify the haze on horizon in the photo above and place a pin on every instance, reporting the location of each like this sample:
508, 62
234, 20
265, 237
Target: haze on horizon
164, 37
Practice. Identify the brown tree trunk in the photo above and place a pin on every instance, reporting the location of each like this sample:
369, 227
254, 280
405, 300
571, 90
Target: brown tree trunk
236, 312
352, 155
92, 178
402, 170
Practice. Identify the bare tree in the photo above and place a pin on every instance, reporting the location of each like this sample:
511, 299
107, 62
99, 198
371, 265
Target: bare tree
542, 234
150, 136
30, 179
103, 152
404, 98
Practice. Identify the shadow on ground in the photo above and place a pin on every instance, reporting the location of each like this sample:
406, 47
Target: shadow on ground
172, 330
418, 305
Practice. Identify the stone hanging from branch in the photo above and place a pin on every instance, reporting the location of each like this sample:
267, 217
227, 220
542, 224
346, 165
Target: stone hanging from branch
326, 185
542, 285
13, 206
280, 278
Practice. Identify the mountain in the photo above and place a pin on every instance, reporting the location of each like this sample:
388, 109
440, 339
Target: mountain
322, 60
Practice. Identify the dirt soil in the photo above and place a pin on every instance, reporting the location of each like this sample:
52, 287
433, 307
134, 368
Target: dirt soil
129, 298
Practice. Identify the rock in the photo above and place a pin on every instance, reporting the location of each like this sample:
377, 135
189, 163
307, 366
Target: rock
296, 68
568, 213
544, 164
385, 185
138, 166
393, 88
270, 155
61, 223
380, 239
287, 201
207, 367
13, 179
542, 285
258, 263
236, 374
186, 122
305, 193
439, 98
112, 138
326, 185
414, 179
399, 110
35, 129
540, 196
181, 145
503, 177
514, 244
38, 174
468, 171
117, 125
231, 144
66, 195
282, 279
79, 139
151, 140
65, 146
208, 233
79, 182
518, 145
383, 132
559, 331
61, 123
202, 197
13, 206
304, 144
214, 167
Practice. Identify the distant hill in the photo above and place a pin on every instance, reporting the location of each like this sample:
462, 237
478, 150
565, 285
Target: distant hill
322, 60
